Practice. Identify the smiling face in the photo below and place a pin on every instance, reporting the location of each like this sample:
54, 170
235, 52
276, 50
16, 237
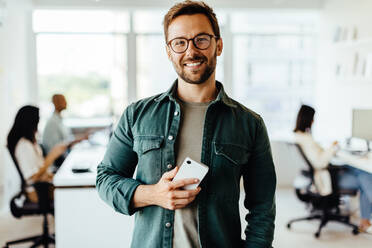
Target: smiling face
194, 66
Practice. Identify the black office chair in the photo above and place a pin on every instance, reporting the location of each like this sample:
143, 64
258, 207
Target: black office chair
20, 206
323, 208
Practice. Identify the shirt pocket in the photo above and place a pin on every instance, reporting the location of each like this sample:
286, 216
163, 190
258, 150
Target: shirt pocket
148, 149
232, 154
227, 162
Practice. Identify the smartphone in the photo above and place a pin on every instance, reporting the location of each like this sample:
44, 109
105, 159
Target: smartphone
191, 169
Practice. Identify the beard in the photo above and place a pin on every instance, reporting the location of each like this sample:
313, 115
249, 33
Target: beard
203, 76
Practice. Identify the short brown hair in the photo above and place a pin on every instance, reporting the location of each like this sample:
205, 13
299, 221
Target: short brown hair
190, 8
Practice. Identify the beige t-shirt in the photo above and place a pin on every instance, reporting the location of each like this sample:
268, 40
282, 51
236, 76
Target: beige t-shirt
29, 157
189, 144
319, 158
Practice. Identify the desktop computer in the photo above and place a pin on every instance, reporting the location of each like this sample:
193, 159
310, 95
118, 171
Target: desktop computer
362, 125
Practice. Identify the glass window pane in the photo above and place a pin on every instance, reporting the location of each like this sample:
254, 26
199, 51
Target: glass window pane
273, 21
274, 65
155, 73
146, 21
80, 21
269, 74
90, 70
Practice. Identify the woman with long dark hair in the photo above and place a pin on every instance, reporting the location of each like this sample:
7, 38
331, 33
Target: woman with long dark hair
27, 153
349, 178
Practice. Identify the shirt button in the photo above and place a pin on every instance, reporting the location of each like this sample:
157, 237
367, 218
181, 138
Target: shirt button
169, 166
176, 113
170, 137
168, 224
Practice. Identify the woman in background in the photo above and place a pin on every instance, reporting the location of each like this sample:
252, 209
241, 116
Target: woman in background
25, 150
349, 178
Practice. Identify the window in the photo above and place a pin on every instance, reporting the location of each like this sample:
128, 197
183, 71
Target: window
82, 54
274, 64
84, 21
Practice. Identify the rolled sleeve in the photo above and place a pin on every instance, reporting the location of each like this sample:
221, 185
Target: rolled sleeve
114, 182
259, 184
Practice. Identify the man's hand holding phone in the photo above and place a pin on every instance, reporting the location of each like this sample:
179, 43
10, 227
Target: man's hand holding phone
175, 189
170, 195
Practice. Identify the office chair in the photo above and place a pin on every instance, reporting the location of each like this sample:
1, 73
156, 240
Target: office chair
21, 206
323, 208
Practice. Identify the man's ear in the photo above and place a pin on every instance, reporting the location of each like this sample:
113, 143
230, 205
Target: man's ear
219, 46
168, 52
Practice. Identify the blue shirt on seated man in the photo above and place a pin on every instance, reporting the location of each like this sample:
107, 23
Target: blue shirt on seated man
56, 132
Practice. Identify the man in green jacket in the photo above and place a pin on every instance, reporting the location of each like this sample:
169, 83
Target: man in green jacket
194, 118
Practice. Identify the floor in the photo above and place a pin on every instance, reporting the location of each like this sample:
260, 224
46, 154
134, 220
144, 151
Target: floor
300, 235
13, 229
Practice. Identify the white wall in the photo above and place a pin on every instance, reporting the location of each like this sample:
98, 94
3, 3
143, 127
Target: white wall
337, 96
16, 83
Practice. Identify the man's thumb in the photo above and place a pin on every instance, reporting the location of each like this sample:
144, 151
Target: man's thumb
169, 175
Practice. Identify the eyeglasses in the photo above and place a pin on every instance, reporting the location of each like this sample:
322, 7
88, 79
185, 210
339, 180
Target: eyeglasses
201, 42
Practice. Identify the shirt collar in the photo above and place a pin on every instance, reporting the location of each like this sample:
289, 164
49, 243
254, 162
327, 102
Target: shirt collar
221, 97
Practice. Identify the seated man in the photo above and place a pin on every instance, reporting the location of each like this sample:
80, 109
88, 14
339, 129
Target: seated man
56, 132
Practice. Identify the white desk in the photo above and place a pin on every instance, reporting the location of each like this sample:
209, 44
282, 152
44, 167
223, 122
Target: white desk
82, 219
360, 162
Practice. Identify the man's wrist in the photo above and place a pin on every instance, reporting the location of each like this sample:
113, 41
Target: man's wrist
144, 196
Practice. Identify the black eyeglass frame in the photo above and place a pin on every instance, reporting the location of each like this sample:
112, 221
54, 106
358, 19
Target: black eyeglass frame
193, 42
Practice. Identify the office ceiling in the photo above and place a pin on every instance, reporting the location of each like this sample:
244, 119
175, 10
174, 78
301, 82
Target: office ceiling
231, 4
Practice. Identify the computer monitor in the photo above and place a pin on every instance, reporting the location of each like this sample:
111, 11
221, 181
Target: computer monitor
362, 124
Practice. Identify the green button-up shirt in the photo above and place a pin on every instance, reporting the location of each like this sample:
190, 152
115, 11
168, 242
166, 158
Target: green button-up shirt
235, 145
